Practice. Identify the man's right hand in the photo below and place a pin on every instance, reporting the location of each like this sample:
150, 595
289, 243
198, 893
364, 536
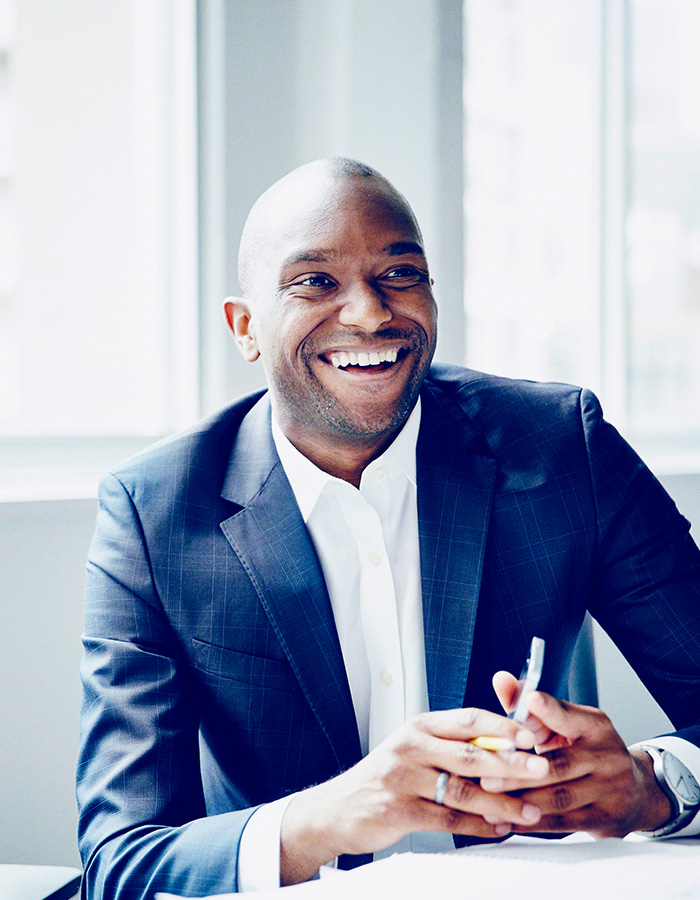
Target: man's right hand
390, 792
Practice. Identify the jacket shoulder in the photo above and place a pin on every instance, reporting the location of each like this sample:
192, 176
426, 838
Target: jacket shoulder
194, 458
525, 425
484, 397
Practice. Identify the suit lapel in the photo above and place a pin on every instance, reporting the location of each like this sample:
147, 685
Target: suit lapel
455, 494
270, 539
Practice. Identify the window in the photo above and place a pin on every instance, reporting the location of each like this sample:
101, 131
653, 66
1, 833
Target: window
663, 223
97, 218
582, 205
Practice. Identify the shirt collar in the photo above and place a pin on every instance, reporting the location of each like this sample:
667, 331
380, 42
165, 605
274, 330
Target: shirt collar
308, 481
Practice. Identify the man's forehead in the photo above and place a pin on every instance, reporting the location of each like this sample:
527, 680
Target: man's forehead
305, 212
314, 203
341, 211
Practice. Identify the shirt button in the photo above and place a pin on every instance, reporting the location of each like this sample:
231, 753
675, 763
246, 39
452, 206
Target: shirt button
374, 558
379, 475
385, 677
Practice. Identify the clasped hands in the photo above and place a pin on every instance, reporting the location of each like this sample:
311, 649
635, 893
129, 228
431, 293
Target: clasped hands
581, 777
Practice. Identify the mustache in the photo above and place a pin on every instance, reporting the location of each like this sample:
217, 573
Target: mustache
359, 340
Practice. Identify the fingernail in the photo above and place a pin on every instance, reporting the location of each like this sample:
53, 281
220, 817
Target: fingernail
502, 829
537, 764
530, 813
525, 739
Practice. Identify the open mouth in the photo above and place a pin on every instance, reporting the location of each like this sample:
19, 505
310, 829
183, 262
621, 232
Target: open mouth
378, 360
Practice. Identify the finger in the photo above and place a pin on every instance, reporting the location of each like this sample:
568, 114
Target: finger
569, 720
443, 741
565, 764
563, 797
553, 742
505, 686
468, 723
467, 760
430, 817
465, 796
595, 820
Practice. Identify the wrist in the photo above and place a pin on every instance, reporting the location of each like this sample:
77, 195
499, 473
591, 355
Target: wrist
305, 841
657, 808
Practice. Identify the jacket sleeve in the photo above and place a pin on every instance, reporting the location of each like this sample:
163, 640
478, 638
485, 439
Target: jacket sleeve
648, 573
143, 826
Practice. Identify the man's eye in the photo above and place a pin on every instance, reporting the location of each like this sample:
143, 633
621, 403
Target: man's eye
406, 272
316, 281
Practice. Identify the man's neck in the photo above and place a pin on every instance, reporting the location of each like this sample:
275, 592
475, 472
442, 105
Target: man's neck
342, 460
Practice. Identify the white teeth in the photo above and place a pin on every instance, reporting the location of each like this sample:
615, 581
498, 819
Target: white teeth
342, 359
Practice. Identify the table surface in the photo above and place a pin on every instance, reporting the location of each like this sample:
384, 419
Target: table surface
19, 882
522, 868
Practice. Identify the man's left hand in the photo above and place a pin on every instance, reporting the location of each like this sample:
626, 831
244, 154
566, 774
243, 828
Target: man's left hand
595, 783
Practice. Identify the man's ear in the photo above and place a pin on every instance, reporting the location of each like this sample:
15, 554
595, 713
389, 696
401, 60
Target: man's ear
239, 321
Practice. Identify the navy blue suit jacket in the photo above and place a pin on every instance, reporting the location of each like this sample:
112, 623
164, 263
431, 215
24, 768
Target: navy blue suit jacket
213, 676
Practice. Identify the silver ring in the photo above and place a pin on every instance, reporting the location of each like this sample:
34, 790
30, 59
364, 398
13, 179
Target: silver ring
441, 788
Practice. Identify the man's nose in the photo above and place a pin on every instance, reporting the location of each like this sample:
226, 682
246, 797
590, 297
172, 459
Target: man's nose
365, 307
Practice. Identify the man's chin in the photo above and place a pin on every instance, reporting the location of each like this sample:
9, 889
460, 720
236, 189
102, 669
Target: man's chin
367, 421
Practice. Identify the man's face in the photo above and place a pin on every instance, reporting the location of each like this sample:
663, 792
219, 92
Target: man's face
343, 314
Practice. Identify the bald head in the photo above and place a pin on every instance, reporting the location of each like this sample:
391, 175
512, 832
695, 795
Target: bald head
305, 193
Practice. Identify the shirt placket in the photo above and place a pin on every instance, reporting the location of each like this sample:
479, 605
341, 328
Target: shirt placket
380, 624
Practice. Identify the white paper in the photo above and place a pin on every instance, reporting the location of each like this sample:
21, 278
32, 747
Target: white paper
518, 869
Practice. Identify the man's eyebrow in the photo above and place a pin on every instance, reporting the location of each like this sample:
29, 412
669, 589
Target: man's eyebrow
309, 256
399, 248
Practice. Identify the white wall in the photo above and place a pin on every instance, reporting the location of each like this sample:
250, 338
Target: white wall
620, 693
43, 547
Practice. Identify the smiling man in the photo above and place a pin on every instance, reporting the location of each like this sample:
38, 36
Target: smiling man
294, 611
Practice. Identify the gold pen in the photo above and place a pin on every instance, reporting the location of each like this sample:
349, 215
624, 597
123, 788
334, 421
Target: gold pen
493, 743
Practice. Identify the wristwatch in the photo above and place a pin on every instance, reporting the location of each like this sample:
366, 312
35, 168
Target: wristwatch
680, 786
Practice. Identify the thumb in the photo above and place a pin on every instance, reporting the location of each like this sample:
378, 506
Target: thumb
505, 685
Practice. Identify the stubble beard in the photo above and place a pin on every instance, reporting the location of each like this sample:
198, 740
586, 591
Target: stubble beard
352, 425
